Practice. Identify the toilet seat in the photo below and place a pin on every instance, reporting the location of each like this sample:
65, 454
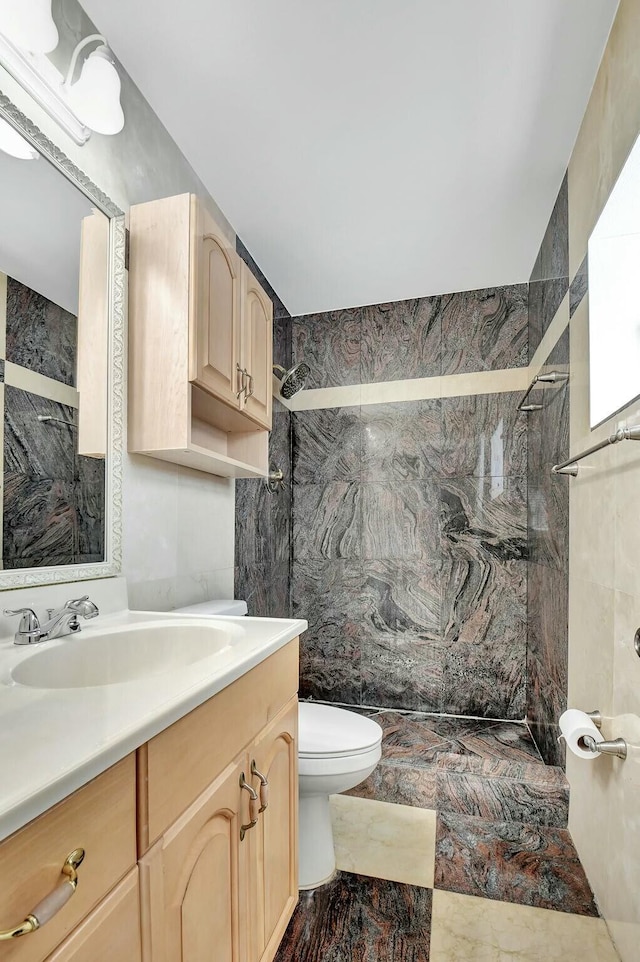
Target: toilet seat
332, 740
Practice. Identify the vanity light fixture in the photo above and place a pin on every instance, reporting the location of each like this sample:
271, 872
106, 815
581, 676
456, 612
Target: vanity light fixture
12, 143
95, 96
92, 103
29, 25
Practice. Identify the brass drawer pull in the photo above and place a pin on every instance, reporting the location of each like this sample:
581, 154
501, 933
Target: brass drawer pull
51, 903
254, 803
264, 787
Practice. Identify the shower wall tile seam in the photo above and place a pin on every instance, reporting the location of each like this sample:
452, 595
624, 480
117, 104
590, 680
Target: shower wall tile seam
414, 711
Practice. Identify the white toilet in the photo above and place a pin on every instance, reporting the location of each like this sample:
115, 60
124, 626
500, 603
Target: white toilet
337, 750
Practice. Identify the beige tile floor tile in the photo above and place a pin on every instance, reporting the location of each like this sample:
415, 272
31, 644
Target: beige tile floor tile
469, 929
395, 842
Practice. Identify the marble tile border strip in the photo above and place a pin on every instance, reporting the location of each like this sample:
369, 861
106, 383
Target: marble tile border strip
34, 383
443, 386
412, 389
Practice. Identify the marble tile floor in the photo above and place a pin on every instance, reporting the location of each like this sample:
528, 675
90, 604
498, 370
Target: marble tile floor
468, 766
391, 901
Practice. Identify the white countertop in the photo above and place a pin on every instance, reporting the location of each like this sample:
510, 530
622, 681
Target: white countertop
53, 741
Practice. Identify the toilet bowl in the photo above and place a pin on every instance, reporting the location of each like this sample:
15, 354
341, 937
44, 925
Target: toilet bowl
337, 750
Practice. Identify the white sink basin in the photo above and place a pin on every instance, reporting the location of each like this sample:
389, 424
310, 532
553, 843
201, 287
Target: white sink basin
123, 654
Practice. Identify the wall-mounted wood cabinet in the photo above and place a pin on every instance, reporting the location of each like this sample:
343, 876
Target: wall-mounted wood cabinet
200, 344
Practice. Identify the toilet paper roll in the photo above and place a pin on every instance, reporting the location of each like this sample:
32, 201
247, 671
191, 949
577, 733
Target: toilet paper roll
574, 725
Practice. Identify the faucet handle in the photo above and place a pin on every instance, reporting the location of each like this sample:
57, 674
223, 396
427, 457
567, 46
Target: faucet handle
76, 601
73, 605
29, 632
29, 620
83, 606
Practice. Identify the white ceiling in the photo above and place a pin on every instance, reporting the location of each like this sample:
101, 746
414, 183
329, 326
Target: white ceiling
371, 150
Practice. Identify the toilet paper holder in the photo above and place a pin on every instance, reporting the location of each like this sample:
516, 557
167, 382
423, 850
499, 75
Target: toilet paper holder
617, 746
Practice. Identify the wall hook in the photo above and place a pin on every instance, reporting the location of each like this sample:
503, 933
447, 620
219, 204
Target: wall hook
275, 480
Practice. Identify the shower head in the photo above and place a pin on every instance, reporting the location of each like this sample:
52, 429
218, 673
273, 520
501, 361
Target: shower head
293, 380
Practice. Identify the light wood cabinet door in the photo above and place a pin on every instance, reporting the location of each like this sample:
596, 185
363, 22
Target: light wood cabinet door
193, 881
92, 369
100, 818
256, 348
215, 309
274, 861
111, 932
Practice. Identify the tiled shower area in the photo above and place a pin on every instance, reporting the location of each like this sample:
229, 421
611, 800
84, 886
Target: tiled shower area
422, 535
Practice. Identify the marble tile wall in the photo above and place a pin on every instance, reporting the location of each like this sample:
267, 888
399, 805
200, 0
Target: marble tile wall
549, 281
409, 518
53, 499
415, 338
263, 520
40, 335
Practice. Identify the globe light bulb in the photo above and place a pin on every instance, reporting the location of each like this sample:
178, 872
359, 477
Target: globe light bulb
95, 96
28, 24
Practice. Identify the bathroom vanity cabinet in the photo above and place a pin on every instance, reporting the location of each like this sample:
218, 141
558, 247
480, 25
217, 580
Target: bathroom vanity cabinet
200, 343
203, 883
173, 865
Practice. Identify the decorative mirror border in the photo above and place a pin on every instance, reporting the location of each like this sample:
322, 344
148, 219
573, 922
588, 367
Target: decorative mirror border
25, 577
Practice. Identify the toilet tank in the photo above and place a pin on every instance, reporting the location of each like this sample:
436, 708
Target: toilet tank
224, 606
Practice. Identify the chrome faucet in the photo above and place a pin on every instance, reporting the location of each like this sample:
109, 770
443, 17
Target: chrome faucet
62, 621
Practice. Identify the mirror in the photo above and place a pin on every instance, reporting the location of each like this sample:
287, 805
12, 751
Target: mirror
614, 310
61, 298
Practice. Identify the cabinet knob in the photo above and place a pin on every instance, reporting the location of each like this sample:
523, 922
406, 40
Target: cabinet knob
51, 903
264, 787
254, 807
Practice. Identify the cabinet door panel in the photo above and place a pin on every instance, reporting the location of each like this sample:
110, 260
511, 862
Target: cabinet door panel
215, 310
256, 347
205, 925
193, 881
112, 931
276, 841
